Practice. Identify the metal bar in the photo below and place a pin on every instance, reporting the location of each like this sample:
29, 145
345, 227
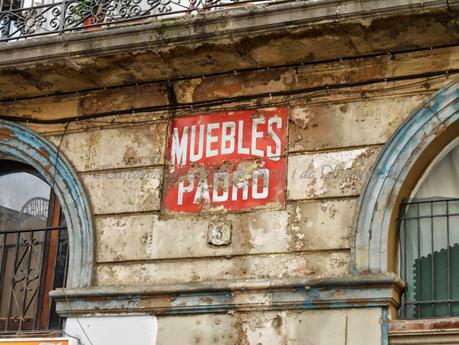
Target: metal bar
433, 258
433, 216
36, 229
19, 303
427, 201
22, 256
10, 245
3, 266
66, 265
448, 259
62, 20
436, 301
3, 262
418, 261
28, 306
26, 284
12, 282
26, 279
403, 262
39, 265
53, 316
42, 263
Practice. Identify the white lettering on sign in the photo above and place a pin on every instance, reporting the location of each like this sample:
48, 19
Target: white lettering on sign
264, 174
277, 153
223, 182
194, 157
179, 146
190, 145
228, 138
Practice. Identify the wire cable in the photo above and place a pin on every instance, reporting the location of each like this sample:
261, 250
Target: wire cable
193, 106
296, 65
78, 320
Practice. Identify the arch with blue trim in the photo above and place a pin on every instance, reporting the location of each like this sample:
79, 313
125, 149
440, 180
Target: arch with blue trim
21, 144
399, 166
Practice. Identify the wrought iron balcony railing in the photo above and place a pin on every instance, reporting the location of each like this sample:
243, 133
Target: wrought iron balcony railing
21, 19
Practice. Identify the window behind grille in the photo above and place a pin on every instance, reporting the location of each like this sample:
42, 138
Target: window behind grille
429, 239
33, 250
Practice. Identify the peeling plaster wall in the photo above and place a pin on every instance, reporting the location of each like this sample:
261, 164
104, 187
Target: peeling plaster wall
334, 140
333, 143
316, 327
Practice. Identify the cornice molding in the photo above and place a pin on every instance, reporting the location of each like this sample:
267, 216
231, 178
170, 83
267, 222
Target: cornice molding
425, 337
217, 297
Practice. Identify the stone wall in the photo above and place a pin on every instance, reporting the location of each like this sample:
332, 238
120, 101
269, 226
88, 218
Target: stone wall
334, 139
335, 134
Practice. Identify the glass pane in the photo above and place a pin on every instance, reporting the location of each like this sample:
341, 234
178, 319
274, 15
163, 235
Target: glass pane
33, 253
24, 200
23, 254
429, 233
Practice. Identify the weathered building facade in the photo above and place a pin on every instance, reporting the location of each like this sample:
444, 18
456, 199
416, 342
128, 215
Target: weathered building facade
357, 99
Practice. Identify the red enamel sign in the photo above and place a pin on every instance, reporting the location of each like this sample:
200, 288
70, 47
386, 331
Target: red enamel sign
227, 161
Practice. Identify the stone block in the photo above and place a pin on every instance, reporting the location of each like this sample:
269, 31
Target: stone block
335, 125
308, 327
305, 265
321, 225
304, 226
136, 190
268, 328
121, 238
204, 329
335, 326
149, 236
329, 174
132, 146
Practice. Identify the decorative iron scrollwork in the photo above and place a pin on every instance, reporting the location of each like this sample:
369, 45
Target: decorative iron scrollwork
80, 15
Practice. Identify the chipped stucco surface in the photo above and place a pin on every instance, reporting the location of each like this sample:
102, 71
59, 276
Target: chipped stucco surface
334, 140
